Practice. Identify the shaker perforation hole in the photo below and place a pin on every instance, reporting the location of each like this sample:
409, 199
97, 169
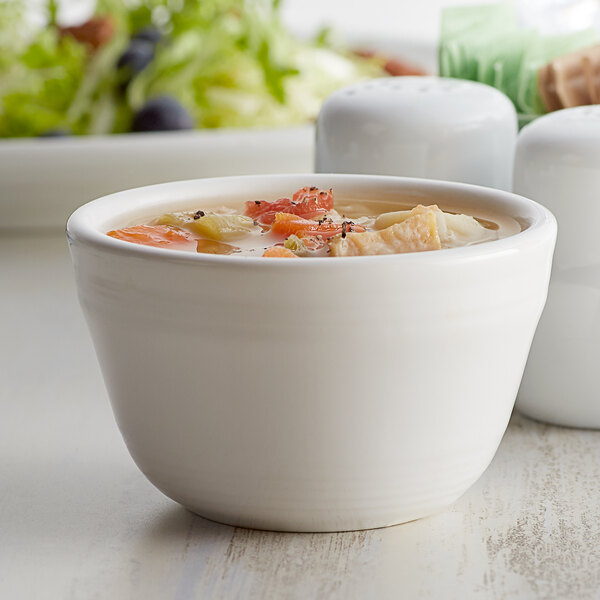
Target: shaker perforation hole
591, 112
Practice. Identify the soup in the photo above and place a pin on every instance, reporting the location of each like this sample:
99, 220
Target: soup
312, 223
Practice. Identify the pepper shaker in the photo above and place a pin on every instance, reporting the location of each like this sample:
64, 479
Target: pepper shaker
557, 163
431, 127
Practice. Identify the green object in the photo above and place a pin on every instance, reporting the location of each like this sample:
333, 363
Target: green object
296, 245
231, 63
210, 225
486, 44
37, 91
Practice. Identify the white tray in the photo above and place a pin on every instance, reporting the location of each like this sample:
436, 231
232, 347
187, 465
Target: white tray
43, 180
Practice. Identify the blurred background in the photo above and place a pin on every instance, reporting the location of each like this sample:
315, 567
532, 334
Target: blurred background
416, 19
249, 77
95, 75
390, 18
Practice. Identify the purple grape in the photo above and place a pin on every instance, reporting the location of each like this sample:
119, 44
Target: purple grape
162, 113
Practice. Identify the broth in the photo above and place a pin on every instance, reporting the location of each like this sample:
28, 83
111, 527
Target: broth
313, 224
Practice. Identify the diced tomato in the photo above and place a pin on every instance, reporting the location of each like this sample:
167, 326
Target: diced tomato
278, 252
392, 66
286, 225
312, 199
307, 202
159, 236
264, 211
399, 68
95, 32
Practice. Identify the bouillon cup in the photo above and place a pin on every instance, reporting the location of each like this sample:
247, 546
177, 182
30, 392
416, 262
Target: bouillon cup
320, 394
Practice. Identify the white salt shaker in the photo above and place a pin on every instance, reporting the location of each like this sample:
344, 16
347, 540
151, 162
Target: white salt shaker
430, 127
557, 163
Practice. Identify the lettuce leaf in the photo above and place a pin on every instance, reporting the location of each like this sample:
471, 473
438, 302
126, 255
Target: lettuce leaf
231, 63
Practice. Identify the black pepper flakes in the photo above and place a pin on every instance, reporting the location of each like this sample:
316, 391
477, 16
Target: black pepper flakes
257, 202
198, 214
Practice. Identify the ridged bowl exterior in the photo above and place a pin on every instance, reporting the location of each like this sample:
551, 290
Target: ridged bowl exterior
324, 395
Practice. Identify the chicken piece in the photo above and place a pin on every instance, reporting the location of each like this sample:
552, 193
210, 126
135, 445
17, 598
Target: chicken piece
462, 230
415, 233
392, 218
454, 230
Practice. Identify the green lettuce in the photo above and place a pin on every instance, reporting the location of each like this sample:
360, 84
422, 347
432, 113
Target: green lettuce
231, 63
487, 44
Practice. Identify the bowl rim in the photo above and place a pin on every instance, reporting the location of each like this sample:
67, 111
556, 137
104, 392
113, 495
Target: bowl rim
82, 225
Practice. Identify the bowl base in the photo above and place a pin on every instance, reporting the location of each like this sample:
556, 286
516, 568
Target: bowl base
320, 525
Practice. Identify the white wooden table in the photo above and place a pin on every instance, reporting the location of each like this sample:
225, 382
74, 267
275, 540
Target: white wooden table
78, 521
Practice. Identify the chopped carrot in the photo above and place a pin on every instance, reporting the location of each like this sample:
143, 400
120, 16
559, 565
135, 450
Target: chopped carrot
278, 252
286, 224
307, 202
159, 236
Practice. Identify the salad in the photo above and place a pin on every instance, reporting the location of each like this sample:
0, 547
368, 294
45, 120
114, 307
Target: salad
148, 65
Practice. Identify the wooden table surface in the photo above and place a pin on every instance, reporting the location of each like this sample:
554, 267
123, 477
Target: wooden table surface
78, 520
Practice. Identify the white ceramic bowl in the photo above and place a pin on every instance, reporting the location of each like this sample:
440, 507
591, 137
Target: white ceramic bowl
558, 164
316, 394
